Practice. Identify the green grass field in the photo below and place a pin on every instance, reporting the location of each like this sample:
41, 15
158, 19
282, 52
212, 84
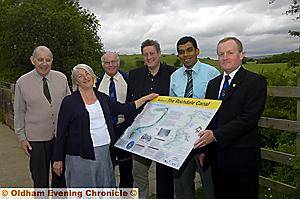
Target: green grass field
129, 62
265, 67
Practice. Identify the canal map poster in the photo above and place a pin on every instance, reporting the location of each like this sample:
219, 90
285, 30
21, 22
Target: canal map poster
165, 131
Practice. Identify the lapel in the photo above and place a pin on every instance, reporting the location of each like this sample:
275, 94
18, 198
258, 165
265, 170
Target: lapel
140, 82
215, 88
235, 83
79, 99
103, 105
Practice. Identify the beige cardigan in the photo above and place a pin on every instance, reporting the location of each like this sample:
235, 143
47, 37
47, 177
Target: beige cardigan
34, 117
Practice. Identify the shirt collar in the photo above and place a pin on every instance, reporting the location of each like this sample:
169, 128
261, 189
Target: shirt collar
39, 77
196, 68
232, 74
116, 76
158, 72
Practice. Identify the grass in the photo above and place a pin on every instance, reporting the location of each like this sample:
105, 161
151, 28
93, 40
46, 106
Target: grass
129, 62
265, 67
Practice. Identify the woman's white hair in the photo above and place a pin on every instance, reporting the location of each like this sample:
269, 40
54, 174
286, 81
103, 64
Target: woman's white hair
84, 67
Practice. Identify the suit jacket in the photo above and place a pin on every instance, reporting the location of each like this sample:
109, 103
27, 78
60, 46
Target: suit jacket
235, 125
73, 129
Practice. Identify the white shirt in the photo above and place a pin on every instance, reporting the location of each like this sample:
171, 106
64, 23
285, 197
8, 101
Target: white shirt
231, 75
121, 89
98, 128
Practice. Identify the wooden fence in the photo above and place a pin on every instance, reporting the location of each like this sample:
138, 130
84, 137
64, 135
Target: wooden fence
6, 102
285, 125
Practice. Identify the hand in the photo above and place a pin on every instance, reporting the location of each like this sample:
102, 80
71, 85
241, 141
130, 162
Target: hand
205, 138
58, 167
149, 97
144, 99
26, 146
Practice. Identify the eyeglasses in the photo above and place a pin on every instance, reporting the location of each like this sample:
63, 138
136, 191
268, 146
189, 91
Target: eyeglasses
110, 62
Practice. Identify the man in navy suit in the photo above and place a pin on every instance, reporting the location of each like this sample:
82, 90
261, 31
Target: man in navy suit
233, 138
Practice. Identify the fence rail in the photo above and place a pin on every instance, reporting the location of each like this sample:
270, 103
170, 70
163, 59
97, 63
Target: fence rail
280, 124
285, 125
284, 91
6, 102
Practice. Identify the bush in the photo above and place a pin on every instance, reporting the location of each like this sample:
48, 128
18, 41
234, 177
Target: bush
283, 108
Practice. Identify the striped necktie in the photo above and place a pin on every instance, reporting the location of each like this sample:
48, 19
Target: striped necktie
46, 90
189, 86
224, 88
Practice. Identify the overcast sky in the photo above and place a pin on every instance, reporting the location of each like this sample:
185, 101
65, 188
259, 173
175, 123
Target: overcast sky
262, 28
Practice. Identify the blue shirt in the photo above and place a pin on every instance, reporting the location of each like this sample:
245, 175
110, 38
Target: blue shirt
202, 74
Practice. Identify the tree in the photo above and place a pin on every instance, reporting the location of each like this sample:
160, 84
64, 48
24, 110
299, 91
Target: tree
69, 30
295, 34
294, 9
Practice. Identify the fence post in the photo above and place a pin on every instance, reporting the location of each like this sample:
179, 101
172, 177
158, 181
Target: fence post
297, 163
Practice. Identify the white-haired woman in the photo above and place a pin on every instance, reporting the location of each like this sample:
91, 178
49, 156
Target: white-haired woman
85, 132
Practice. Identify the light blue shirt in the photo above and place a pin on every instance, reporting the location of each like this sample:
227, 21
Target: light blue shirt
202, 74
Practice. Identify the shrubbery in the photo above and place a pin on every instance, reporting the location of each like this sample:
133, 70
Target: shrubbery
283, 108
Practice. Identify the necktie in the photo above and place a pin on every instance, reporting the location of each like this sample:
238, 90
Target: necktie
189, 86
46, 90
113, 96
224, 88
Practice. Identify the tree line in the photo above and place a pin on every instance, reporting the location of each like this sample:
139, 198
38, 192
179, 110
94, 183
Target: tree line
292, 58
69, 30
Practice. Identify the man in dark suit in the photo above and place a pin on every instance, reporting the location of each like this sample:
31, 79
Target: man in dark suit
233, 138
153, 77
115, 80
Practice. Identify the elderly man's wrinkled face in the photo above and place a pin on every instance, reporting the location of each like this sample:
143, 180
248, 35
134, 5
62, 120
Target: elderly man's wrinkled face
110, 64
42, 61
84, 79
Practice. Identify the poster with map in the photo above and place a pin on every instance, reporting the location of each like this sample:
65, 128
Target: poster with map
165, 131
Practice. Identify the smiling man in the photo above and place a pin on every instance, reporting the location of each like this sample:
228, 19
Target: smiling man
190, 81
154, 77
113, 82
233, 134
38, 95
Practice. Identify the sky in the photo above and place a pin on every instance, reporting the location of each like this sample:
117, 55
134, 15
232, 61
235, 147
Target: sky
263, 28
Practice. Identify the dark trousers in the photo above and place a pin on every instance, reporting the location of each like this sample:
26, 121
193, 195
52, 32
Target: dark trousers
39, 164
184, 179
235, 185
164, 182
123, 159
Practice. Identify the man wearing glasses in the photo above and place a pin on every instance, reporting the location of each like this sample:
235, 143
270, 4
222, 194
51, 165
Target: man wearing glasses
113, 82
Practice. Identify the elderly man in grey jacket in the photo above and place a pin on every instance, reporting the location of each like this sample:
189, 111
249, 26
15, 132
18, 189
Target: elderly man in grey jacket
38, 95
